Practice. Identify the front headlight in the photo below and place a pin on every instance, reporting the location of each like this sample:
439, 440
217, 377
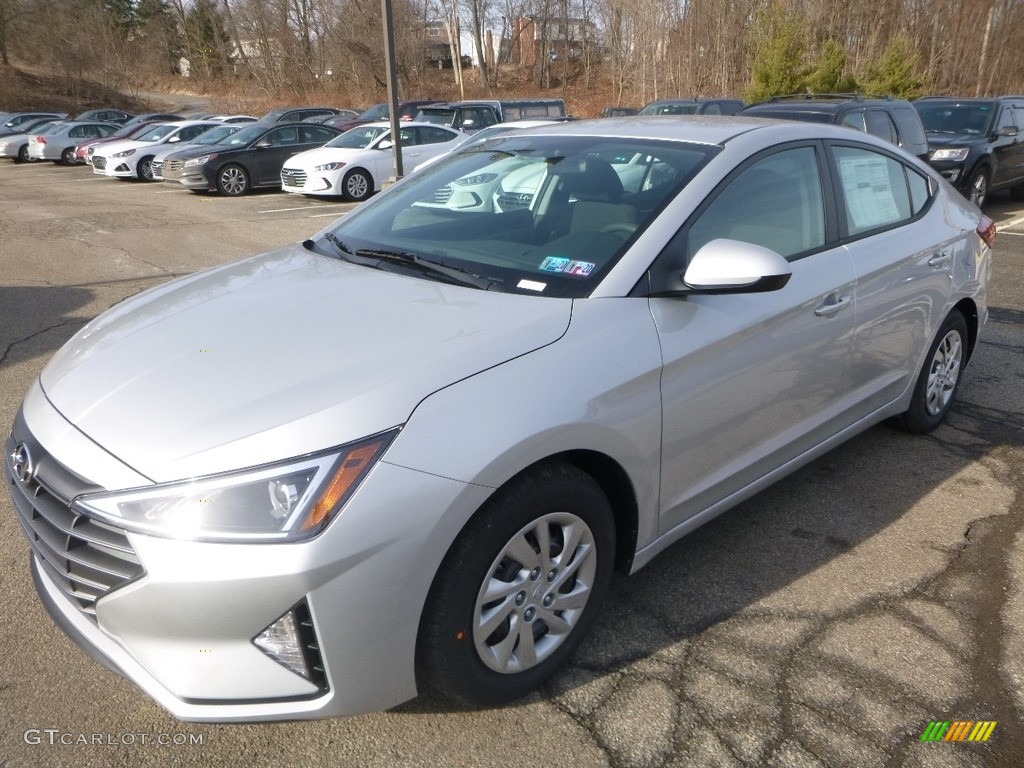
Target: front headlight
126, 153
194, 161
956, 155
328, 166
281, 502
472, 181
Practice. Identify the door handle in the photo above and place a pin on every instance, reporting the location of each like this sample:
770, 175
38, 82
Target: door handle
830, 308
938, 259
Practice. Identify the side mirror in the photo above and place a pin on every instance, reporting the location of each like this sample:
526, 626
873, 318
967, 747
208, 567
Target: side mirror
386, 144
1007, 130
173, 139
732, 266
468, 123
262, 143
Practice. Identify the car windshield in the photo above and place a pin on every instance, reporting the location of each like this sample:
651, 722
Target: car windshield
437, 116
970, 118
670, 109
156, 133
215, 135
537, 215
246, 135
376, 112
357, 138
49, 128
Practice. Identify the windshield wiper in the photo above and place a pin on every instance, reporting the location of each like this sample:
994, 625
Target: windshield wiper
428, 266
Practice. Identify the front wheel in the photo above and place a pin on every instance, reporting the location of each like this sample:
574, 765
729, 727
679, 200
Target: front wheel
144, 170
232, 180
357, 185
519, 588
939, 378
977, 187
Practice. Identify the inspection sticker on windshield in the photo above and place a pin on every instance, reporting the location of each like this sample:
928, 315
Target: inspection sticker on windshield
531, 285
554, 264
580, 268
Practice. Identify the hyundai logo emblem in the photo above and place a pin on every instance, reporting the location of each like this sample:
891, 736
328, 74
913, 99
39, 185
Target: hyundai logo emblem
22, 465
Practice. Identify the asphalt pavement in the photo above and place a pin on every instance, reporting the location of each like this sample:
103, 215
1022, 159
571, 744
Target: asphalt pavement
825, 622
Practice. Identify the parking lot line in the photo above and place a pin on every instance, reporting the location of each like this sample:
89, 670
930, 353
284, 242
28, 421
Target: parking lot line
344, 213
1012, 223
301, 208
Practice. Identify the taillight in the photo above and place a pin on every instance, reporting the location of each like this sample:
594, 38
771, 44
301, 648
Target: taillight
40, 140
987, 231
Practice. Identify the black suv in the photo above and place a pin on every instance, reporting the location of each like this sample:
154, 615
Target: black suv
692, 107
977, 144
893, 120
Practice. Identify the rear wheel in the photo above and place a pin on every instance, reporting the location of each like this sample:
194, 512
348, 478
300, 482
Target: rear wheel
519, 588
232, 180
23, 154
68, 156
939, 379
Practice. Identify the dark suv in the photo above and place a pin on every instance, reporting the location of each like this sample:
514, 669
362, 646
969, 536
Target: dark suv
977, 144
893, 120
692, 107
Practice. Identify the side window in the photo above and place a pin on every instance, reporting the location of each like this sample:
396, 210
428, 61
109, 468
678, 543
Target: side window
874, 189
879, 124
408, 137
908, 125
284, 137
314, 135
855, 120
712, 109
775, 203
434, 136
187, 134
1005, 118
919, 192
487, 118
77, 132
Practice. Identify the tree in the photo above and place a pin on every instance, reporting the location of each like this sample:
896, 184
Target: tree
828, 76
893, 74
779, 47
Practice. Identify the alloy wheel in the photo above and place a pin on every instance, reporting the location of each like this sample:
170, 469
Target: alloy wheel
944, 372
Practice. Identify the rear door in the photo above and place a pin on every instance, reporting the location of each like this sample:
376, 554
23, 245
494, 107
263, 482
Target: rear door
903, 253
751, 381
270, 153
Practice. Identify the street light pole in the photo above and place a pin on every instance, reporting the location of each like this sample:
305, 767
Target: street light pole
392, 78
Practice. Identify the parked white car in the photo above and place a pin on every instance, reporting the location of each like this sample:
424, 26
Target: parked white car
59, 142
133, 158
356, 163
15, 145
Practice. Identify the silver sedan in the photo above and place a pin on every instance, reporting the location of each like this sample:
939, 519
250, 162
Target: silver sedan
58, 144
411, 450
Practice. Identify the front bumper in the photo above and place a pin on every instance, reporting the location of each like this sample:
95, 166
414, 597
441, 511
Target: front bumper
182, 629
192, 177
311, 182
118, 167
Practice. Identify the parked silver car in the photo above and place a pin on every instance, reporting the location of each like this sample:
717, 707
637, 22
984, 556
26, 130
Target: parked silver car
59, 142
413, 449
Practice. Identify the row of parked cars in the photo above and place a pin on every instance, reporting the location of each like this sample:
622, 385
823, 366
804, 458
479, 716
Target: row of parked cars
976, 144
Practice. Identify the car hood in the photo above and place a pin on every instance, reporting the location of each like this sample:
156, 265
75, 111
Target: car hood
937, 140
321, 155
279, 355
121, 145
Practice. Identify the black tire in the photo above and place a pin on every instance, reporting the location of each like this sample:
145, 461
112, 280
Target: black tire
1017, 193
450, 656
144, 170
977, 187
357, 185
939, 379
67, 157
23, 154
232, 180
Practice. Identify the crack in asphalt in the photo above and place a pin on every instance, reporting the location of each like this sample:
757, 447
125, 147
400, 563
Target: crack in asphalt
16, 342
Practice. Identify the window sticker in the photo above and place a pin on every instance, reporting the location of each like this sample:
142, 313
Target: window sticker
531, 285
554, 264
869, 193
580, 268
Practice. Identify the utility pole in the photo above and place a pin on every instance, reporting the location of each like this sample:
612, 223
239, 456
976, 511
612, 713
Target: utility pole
392, 72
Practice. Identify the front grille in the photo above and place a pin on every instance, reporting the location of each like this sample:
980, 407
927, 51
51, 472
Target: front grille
173, 165
293, 177
85, 558
444, 194
99, 162
156, 166
513, 201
